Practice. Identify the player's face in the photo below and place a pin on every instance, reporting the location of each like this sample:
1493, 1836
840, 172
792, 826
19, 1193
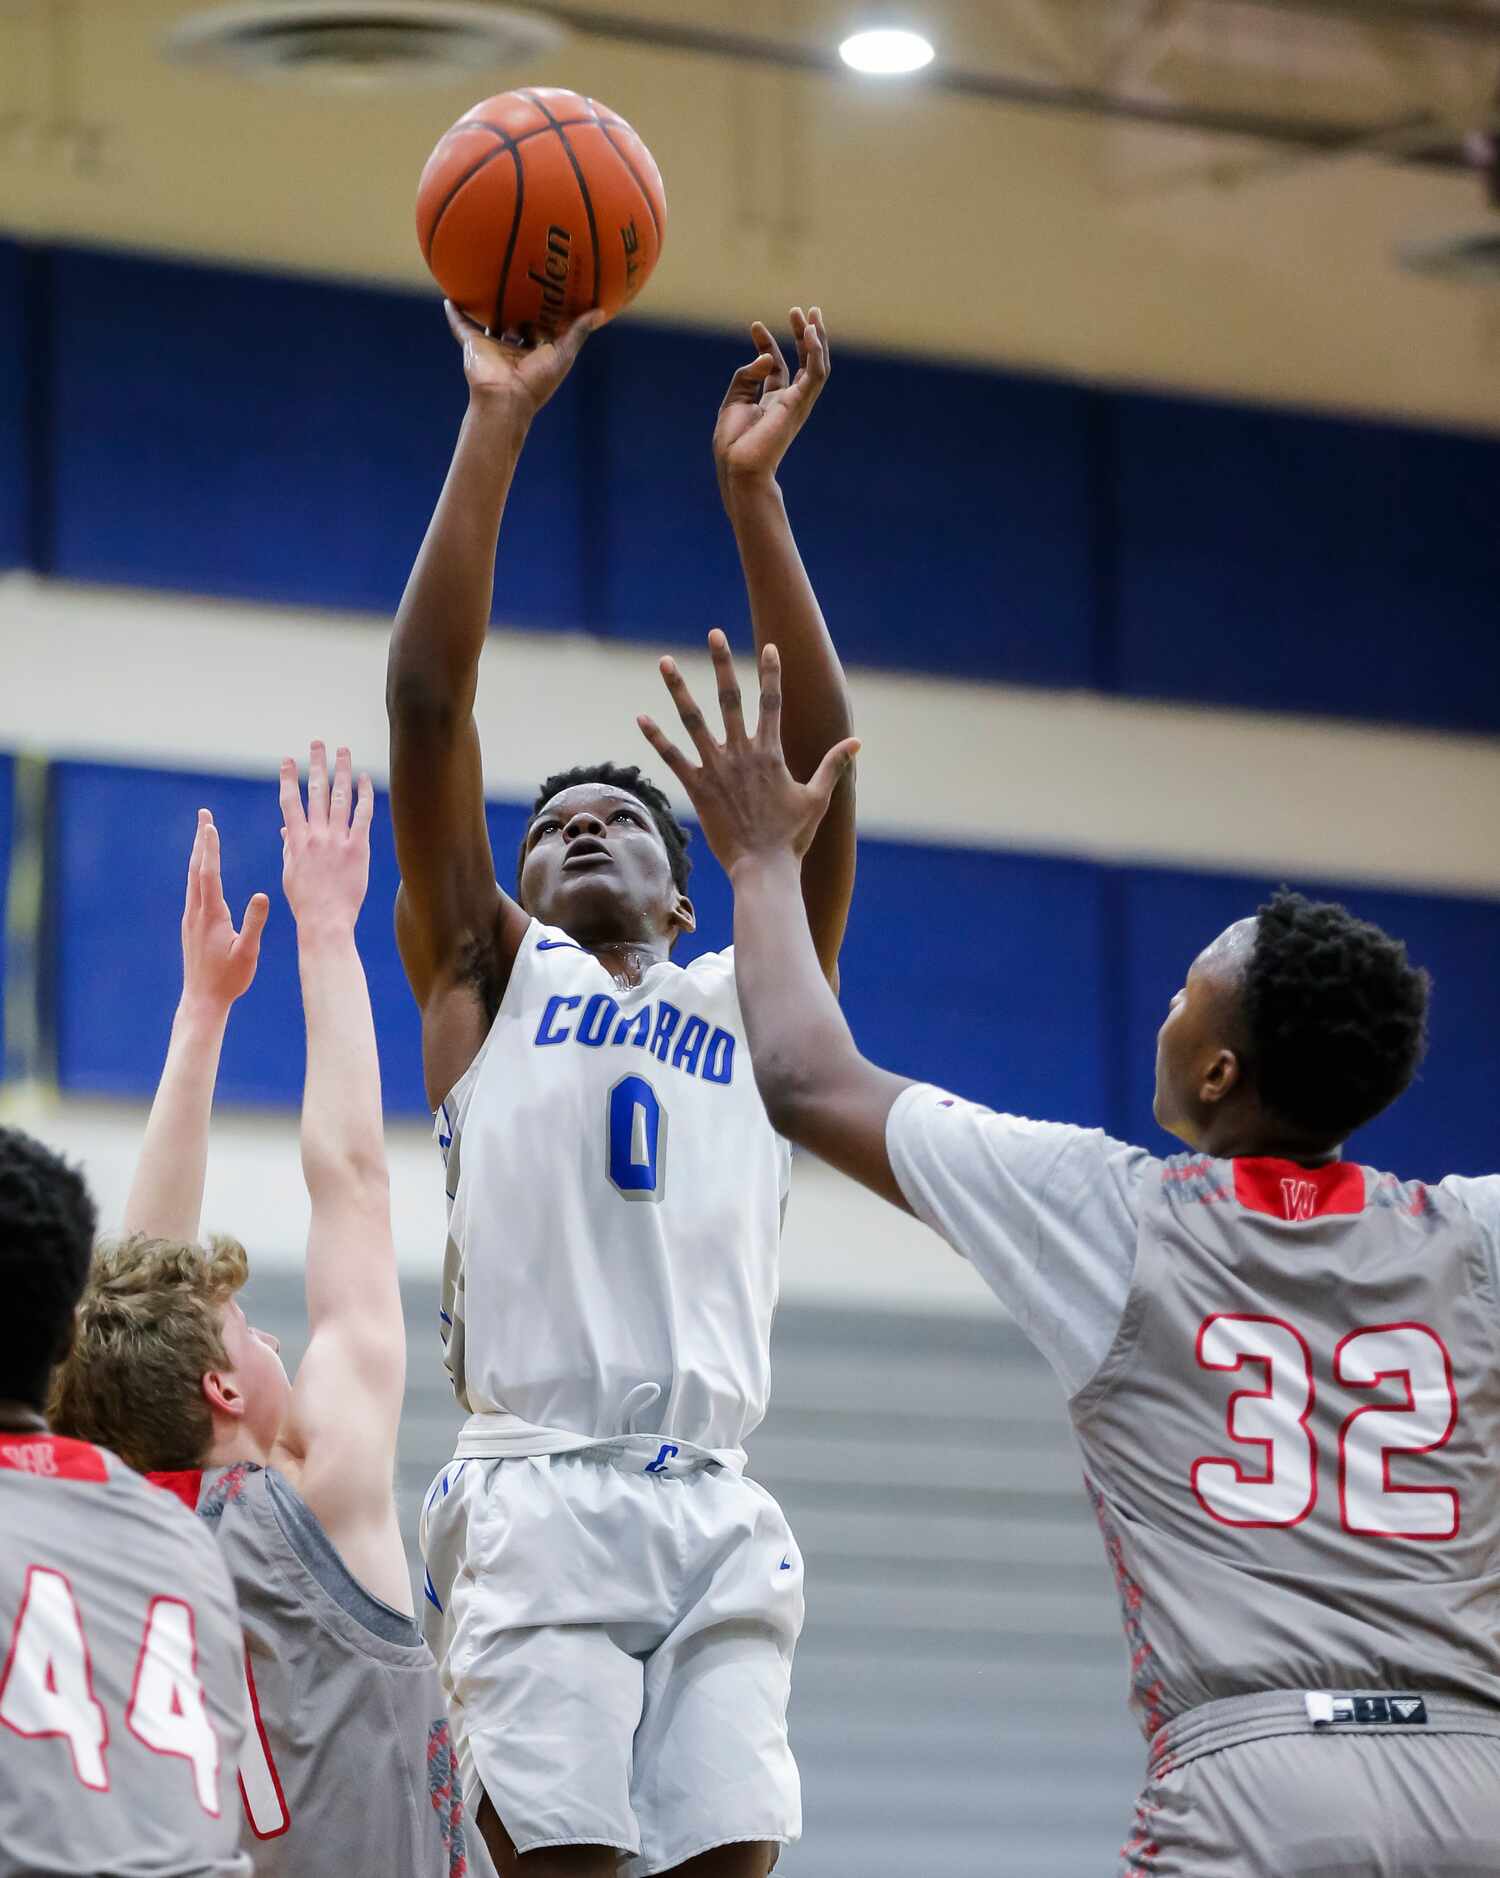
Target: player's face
1200, 1026
595, 865
259, 1374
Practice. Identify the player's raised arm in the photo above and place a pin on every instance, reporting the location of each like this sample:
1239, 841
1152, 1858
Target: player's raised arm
451, 917
761, 821
339, 1439
218, 966
764, 408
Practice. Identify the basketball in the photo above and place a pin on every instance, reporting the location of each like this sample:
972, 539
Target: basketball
537, 206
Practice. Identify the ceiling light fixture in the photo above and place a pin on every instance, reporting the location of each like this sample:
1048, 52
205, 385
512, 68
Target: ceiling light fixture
886, 51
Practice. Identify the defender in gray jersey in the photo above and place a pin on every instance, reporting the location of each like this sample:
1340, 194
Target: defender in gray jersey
121, 1695
347, 1767
1282, 1367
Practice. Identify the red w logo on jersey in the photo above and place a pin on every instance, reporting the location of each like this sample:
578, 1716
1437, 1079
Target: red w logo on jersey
1286, 1190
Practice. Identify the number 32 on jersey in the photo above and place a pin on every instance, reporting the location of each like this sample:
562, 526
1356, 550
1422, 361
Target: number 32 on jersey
1273, 1481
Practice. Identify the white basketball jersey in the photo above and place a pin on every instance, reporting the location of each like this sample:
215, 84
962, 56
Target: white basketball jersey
615, 1201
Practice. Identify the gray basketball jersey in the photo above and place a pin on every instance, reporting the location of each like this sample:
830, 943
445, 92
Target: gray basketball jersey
1291, 1442
348, 1765
122, 1693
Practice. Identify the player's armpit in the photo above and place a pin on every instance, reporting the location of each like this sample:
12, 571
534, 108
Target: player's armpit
458, 933
338, 1448
838, 1112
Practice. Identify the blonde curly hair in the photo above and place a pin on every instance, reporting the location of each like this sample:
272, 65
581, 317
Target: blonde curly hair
149, 1328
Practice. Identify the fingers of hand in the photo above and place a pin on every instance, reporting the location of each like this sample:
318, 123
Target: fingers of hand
731, 706
687, 709
195, 861
211, 882
816, 355
317, 783
253, 925
292, 815
341, 795
768, 727
781, 375
571, 343
667, 751
832, 771
459, 324
364, 807
749, 381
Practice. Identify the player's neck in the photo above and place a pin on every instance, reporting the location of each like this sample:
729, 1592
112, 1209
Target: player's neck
19, 1418
1268, 1144
232, 1444
628, 962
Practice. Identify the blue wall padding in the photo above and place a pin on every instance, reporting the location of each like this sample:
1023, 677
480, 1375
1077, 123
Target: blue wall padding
16, 469
232, 433
235, 433
1295, 563
667, 563
944, 515
984, 972
7, 823
1445, 1124
1030, 983
120, 845
1008, 1007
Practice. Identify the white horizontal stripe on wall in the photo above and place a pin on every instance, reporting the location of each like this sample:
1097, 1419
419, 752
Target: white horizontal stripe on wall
206, 684
841, 1245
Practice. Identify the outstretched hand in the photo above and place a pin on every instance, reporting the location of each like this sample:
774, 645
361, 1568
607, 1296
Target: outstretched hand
765, 405
218, 963
742, 792
523, 377
325, 849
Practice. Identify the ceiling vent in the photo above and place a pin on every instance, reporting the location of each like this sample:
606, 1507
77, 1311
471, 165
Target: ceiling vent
361, 42
1471, 259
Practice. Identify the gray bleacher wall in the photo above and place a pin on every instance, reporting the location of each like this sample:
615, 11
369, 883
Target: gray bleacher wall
958, 1703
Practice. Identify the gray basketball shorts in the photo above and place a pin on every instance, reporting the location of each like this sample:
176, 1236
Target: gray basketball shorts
1335, 1785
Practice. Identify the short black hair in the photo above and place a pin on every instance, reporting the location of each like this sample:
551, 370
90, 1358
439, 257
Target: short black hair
626, 776
1336, 1015
47, 1224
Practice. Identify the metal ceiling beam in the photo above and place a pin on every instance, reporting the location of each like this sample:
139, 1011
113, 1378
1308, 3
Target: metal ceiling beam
1446, 18
1420, 137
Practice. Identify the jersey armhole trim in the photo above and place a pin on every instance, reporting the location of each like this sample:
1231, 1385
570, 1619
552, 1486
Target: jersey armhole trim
379, 1623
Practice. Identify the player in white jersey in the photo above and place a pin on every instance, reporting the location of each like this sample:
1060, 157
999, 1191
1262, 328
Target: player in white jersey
615, 1605
348, 1767
1282, 1368
121, 1695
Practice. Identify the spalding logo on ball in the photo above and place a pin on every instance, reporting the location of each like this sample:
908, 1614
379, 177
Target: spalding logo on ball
537, 206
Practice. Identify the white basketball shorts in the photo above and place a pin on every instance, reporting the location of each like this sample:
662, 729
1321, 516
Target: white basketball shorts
616, 1649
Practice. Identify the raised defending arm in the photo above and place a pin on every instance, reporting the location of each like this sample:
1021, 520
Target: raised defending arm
218, 966
760, 821
452, 919
764, 409
339, 1442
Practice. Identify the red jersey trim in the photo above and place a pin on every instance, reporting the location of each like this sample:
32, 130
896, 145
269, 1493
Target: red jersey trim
52, 1457
185, 1482
1287, 1190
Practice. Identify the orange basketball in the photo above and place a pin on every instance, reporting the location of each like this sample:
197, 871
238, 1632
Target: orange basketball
537, 206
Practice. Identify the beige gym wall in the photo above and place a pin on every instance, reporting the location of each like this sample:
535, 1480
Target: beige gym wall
924, 222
